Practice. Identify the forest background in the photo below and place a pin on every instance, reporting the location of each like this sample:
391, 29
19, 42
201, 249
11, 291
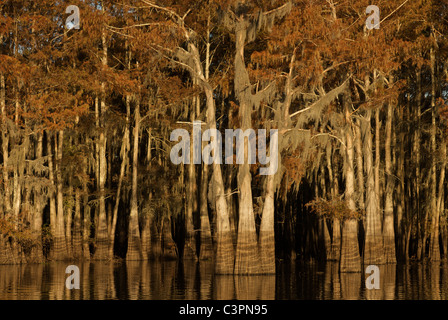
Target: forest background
86, 117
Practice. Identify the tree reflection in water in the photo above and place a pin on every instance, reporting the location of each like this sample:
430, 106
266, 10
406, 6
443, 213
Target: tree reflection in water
167, 280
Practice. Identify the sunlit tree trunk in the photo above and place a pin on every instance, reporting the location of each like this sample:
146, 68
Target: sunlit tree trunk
86, 217
134, 241
5, 145
378, 163
417, 179
434, 252
190, 239
350, 259
388, 225
36, 227
247, 258
147, 221
267, 235
148, 218
69, 218
224, 258
335, 250
101, 233
373, 248
401, 140
359, 163
60, 244
5, 170
440, 196
77, 231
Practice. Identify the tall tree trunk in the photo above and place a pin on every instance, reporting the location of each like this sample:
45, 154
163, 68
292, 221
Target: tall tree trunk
134, 241
17, 170
440, 198
416, 151
52, 192
60, 244
247, 258
124, 161
224, 248
36, 252
190, 239
5, 145
335, 250
434, 253
86, 217
224, 259
388, 225
69, 218
147, 221
350, 259
373, 248
206, 247
359, 163
267, 235
102, 240
77, 231
378, 163
402, 222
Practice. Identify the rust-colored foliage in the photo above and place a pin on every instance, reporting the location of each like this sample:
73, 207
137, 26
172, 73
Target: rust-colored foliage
335, 208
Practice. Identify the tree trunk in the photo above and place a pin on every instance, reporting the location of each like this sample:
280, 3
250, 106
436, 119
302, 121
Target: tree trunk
77, 231
147, 221
168, 245
5, 146
190, 239
378, 162
224, 248
86, 218
224, 260
417, 179
51, 193
247, 258
102, 241
134, 241
206, 248
434, 253
267, 235
350, 259
439, 208
60, 244
402, 222
373, 248
36, 252
124, 161
335, 250
388, 225
69, 219
359, 163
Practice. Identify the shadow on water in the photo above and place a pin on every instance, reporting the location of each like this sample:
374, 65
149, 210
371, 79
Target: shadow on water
170, 280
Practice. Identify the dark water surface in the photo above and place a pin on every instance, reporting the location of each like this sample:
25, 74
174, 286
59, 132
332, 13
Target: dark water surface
196, 281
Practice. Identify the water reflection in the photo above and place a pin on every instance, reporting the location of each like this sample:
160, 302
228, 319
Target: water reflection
196, 281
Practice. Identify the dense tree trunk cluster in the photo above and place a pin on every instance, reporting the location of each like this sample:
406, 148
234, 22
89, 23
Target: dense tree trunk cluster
86, 118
